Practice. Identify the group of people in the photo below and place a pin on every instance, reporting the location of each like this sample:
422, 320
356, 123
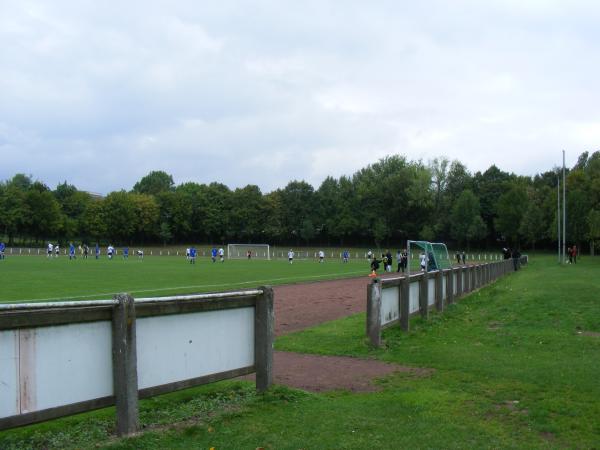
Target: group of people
220, 252
387, 261
53, 250
508, 253
461, 257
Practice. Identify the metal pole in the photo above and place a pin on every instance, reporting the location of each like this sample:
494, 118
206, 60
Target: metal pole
558, 213
564, 227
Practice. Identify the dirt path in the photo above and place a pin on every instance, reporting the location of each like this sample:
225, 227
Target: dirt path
300, 306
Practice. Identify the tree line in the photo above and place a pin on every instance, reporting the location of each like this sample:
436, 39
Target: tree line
384, 203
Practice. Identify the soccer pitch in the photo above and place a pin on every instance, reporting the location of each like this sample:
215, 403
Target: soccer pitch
37, 278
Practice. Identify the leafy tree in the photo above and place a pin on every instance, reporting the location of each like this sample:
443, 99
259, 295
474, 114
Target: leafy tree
533, 226
93, 223
119, 213
165, 233
16, 214
147, 215
593, 222
154, 183
467, 224
489, 186
298, 199
510, 208
44, 210
247, 213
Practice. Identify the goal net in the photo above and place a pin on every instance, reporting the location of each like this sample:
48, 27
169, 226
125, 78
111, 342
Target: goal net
240, 251
436, 253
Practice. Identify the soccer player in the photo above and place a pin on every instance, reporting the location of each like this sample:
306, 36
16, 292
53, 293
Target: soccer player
2, 248
423, 261
109, 251
291, 256
50, 249
213, 254
187, 253
56, 251
369, 255
249, 254
140, 254
97, 251
192, 256
125, 252
71, 251
222, 254
346, 256
86, 250
374, 266
321, 256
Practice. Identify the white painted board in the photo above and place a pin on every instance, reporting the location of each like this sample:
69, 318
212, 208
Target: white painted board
444, 285
390, 308
414, 296
9, 373
431, 291
183, 346
64, 364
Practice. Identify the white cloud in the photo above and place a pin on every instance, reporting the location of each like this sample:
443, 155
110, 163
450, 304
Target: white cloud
265, 92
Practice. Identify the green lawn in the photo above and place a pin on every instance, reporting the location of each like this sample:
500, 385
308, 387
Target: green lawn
39, 278
514, 365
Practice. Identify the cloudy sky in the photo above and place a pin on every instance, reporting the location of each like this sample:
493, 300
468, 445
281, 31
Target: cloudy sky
263, 92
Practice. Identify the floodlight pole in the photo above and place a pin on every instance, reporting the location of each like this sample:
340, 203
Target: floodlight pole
558, 213
564, 227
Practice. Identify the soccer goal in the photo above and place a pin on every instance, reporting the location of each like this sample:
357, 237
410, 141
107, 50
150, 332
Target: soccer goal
240, 251
436, 256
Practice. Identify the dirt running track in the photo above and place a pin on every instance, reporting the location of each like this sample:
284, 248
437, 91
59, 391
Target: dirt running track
303, 305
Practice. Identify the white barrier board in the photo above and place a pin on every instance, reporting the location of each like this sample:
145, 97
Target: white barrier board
431, 291
454, 282
414, 296
183, 346
9, 373
60, 365
390, 308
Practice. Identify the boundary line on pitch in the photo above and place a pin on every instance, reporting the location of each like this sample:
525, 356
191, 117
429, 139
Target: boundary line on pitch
240, 283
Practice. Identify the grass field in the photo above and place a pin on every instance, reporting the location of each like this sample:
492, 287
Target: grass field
514, 365
36, 278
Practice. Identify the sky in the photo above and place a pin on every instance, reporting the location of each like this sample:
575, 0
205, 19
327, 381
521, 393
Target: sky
99, 94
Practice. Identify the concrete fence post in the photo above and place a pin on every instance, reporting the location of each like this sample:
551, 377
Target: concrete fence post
450, 287
374, 312
439, 291
124, 356
405, 303
424, 295
264, 332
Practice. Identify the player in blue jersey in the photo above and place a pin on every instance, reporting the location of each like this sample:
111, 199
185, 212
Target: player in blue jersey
71, 251
125, 252
97, 251
346, 256
213, 254
192, 256
2, 248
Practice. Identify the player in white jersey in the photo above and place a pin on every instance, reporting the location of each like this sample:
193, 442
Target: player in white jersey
321, 256
423, 261
50, 249
222, 254
291, 256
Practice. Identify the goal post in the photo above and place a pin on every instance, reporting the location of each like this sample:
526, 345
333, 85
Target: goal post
437, 255
240, 251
